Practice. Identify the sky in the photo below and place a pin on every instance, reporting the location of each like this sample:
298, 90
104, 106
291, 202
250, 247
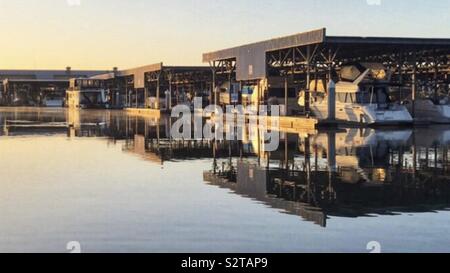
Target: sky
101, 34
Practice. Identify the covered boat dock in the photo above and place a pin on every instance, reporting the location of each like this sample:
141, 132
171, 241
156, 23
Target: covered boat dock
293, 62
157, 87
31, 87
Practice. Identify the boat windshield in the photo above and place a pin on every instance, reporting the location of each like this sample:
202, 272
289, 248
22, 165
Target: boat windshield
91, 98
382, 96
86, 84
376, 95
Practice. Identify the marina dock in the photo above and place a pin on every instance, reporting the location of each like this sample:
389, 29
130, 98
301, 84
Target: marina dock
294, 72
144, 112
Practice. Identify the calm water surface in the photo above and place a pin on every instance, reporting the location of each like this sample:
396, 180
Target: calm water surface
117, 183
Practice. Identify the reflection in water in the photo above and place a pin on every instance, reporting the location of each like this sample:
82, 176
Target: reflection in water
344, 173
348, 173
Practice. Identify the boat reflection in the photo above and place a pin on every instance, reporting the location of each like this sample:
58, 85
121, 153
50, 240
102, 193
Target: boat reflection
314, 175
348, 173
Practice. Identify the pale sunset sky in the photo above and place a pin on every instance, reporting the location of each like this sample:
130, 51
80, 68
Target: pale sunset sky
101, 34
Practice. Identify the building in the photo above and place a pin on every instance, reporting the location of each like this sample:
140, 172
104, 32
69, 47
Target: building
31, 87
158, 86
279, 68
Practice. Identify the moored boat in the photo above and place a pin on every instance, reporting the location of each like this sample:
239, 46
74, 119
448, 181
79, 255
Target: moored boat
87, 93
362, 97
430, 111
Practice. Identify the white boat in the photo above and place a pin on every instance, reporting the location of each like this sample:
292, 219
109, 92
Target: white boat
362, 97
430, 111
361, 155
54, 103
86, 93
53, 100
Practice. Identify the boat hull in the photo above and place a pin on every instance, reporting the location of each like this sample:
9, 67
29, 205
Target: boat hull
368, 115
427, 111
54, 103
76, 100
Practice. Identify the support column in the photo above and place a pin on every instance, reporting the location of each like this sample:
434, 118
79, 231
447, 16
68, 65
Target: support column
215, 156
286, 154
400, 76
259, 145
136, 93
447, 84
170, 93
435, 78
241, 150
331, 163
332, 151
213, 91
286, 94
213, 85
229, 84
130, 102
330, 65
14, 93
331, 101
308, 167
240, 92
414, 86
230, 155
308, 80
146, 125
158, 87
435, 157
126, 96
258, 100
414, 165
145, 97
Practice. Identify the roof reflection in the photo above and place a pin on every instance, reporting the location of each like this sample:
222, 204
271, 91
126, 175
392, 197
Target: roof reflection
314, 175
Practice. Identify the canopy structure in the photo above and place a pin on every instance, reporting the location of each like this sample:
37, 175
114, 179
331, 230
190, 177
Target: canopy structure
154, 80
29, 87
314, 50
298, 59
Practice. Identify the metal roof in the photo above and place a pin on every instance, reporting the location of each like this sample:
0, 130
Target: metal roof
251, 58
359, 47
139, 72
106, 76
6, 81
47, 74
388, 40
300, 39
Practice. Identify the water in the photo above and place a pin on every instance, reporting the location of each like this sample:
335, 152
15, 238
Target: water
103, 179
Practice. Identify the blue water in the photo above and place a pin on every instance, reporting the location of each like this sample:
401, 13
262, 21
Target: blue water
57, 188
